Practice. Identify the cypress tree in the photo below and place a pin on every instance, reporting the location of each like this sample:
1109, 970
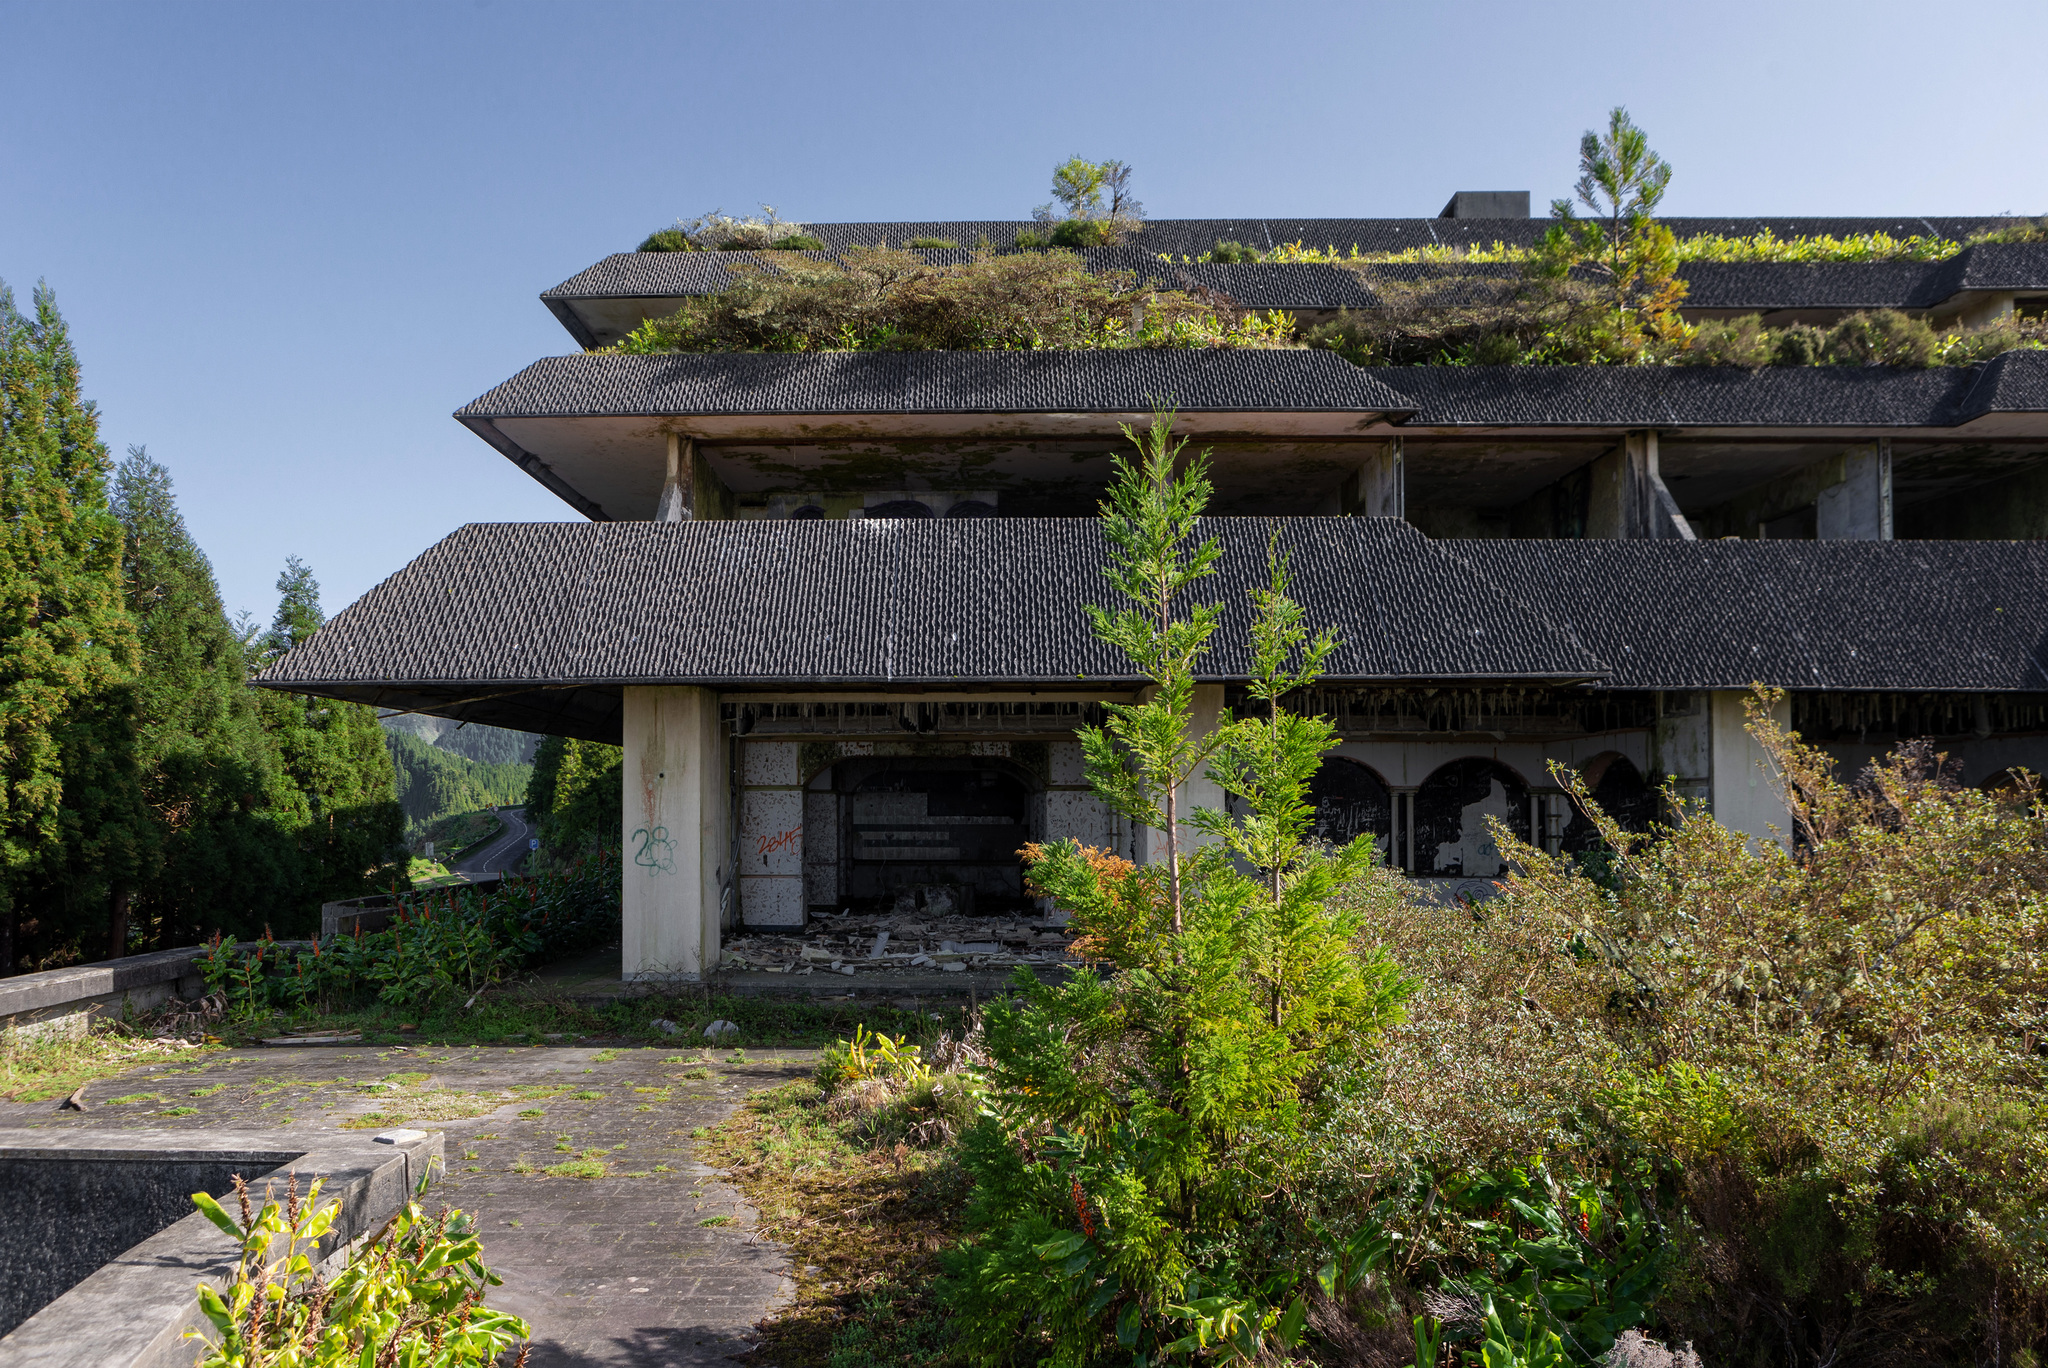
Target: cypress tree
209, 772
349, 831
69, 803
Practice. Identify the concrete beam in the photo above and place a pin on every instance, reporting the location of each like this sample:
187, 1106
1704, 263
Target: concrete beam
677, 815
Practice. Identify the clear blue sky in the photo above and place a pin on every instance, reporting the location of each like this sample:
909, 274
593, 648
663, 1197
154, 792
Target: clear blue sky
291, 238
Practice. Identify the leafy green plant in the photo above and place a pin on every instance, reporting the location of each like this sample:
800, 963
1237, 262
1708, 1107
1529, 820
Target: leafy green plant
870, 1054
930, 243
440, 945
412, 1298
1831, 1044
879, 299
1098, 206
1133, 1120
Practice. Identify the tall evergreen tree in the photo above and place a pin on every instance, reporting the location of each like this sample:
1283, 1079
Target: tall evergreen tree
67, 645
210, 774
349, 828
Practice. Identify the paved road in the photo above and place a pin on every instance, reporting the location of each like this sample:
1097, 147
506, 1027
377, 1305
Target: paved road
505, 852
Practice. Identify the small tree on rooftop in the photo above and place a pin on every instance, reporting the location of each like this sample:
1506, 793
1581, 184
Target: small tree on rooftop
1621, 180
1099, 207
1140, 1120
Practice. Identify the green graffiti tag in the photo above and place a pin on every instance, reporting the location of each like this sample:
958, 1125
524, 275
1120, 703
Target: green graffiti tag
656, 852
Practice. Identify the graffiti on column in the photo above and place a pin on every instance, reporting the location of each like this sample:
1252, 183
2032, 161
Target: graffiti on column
654, 851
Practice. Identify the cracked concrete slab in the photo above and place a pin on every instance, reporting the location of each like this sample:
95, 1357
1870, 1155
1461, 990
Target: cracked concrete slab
654, 1263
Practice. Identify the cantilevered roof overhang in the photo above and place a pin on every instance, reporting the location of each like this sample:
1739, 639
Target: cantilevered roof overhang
595, 428
538, 626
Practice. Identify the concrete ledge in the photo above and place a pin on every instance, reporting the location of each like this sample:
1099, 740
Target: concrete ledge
65, 1000
133, 1311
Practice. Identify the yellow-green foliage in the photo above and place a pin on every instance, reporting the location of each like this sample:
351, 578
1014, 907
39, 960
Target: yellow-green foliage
1760, 246
413, 1296
878, 299
1836, 1046
1138, 1119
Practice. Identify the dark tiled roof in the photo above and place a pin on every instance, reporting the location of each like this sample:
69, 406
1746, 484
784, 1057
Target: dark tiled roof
1719, 396
1847, 615
936, 382
1864, 285
886, 601
538, 625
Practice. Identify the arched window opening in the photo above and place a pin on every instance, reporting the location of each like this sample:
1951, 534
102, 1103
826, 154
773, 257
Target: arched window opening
900, 508
1350, 801
1451, 808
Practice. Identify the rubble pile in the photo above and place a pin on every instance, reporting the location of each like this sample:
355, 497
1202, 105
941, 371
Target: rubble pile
903, 941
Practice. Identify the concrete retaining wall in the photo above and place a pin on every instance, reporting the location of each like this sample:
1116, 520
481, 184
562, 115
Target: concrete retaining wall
64, 1001
132, 1310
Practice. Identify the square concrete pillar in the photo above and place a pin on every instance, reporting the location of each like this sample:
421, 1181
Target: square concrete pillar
1200, 791
1859, 508
1746, 793
1627, 498
677, 831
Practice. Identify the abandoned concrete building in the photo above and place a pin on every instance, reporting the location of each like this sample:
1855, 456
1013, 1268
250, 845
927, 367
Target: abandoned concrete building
830, 603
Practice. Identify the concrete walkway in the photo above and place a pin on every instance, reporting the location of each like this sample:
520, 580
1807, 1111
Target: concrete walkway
653, 1263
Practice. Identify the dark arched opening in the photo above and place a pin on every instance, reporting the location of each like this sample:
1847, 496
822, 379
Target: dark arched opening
1351, 801
900, 508
971, 508
1451, 808
808, 513
1622, 793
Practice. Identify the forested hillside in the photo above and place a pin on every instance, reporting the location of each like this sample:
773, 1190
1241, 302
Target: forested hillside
148, 795
470, 740
435, 782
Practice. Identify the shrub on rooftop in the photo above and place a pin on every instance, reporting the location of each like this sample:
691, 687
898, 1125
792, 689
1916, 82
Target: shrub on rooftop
881, 299
718, 231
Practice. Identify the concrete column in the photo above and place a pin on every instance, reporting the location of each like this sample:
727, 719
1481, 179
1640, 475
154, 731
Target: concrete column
1746, 795
1627, 498
676, 833
1383, 483
1199, 791
678, 484
1859, 507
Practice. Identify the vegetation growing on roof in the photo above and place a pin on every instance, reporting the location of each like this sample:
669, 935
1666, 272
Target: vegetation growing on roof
1096, 207
880, 299
1761, 246
720, 232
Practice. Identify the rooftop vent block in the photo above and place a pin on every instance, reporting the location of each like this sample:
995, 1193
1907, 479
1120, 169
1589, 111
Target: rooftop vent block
1487, 204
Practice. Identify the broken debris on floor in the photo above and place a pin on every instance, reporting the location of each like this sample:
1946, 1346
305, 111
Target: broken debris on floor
921, 933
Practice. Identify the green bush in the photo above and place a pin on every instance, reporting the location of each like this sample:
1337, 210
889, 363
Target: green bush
879, 299
930, 243
666, 240
440, 945
1832, 1050
414, 1295
1136, 1122
797, 242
